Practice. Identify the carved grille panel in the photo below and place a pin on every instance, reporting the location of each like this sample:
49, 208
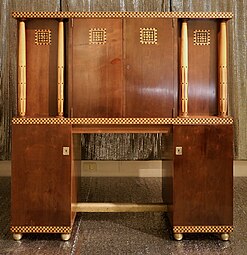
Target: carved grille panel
148, 36
202, 37
43, 37
97, 36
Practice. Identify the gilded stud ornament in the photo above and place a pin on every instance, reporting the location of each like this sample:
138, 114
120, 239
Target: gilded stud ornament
17, 236
178, 236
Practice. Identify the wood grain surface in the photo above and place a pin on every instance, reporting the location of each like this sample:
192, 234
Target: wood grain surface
148, 69
203, 187
41, 189
96, 89
41, 70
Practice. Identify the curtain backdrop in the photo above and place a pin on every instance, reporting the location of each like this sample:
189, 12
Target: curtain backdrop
104, 146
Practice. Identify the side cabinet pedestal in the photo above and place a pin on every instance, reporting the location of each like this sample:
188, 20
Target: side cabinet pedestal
200, 187
44, 166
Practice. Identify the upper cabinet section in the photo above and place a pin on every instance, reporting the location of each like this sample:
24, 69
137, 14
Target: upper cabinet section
122, 64
122, 67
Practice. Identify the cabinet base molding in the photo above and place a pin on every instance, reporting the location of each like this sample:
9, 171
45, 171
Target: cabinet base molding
41, 229
202, 229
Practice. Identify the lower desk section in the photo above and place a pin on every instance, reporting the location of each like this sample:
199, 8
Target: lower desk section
197, 179
45, 171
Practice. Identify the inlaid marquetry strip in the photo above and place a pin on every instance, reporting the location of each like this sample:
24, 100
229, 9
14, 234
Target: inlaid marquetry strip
97, 35
22, 70
184, 70
202, 229
202, 37
148, 35
43, 37
41, 229
213, 15
60, 69
222, 70
126, 121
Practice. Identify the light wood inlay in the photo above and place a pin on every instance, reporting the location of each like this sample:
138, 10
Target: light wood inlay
118, 207
223, 70
202, 229
211, 15
60, 69
184, 69
126, 121
22, 70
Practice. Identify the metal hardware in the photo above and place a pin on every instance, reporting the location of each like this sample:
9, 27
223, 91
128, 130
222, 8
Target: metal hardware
179, 151
66, 151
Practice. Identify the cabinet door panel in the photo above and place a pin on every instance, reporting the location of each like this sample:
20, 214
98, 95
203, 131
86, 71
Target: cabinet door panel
41, 176
149, 68
203, 176
202, 70
97, 68
41, 43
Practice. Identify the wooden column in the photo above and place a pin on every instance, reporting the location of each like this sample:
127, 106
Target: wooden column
184, 70
60, 67
222, 70
22, 70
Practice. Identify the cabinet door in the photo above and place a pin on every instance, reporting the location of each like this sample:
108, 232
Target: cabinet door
41, 176
150, 67
41, 43
96, 48
203, 175
202, 76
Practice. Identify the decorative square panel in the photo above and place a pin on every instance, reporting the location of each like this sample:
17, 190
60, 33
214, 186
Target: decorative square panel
43, 37
148, 35
97, 36
201, 37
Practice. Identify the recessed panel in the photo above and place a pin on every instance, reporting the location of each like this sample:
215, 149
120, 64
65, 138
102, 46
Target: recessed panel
97, 68
202, 89
149, 67
41, 50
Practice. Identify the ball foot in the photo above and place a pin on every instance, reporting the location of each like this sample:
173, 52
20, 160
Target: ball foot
178, 236
65, 237
17, 236
224, 236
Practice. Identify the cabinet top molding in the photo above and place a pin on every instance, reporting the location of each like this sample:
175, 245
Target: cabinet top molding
188, 15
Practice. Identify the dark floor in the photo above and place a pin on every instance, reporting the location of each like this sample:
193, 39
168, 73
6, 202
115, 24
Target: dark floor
124, 233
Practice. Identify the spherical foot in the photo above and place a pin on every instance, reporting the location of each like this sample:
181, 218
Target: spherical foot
224, 237
65, 237
17, 236
178, 236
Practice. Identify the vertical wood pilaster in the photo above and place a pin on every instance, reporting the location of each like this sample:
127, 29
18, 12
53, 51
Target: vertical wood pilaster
184, 70
60, 69
222, 70
22, 70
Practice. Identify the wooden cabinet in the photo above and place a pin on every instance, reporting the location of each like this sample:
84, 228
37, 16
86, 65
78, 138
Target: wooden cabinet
44, 173
122, 72
199, 188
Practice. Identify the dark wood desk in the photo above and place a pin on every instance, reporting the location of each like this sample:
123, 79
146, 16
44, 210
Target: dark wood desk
122, 73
